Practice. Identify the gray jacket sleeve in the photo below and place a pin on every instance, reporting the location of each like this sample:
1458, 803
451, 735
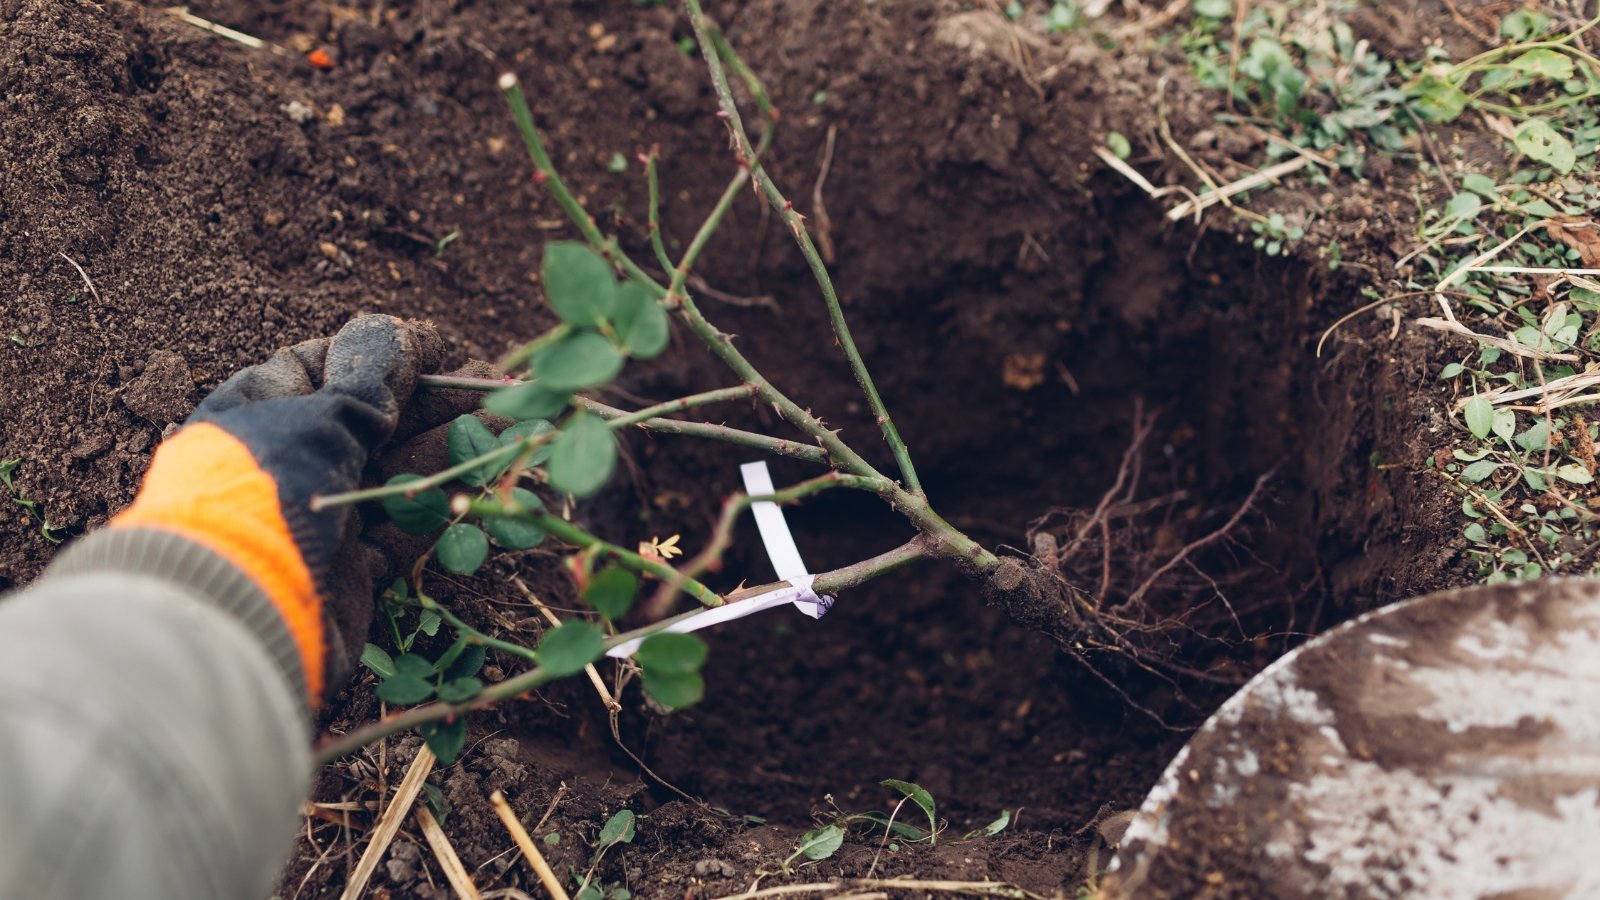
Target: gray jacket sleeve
153, 728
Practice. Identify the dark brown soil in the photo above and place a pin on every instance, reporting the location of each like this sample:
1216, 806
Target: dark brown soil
1015, 300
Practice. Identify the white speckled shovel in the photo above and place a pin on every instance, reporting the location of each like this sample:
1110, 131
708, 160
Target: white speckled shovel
1447, 746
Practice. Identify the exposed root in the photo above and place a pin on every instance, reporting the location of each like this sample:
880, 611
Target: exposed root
1144, 584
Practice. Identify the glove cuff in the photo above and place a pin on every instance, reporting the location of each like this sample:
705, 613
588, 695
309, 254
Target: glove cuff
204, 485
198, 571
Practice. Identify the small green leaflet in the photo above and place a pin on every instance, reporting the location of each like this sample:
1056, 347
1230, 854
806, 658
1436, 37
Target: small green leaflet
668, 652
462, 548
818, 844
641, 323
467, 439
1213, 9
1575, 473
526, 401
674, 690
570, 646
513, 533
611, 592
1479, 413
377, 659
404, 690
445, 739
578, 283
991, 829
619, 829
412, 664
426, 512
577, 361
530, 429
1543, 62
1118, 144
1479, 470
583, 455
460, 690
920, 797
1538, 141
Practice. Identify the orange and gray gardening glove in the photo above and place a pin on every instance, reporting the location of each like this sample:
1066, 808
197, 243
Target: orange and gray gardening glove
240, 476
154, 682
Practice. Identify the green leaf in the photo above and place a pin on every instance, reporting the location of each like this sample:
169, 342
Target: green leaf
640, 321
428, 622
462, 548
674, 690
1536, 140
1480, 416
1544, 63
1118, 144
1452, 370
1437, 100
1475, 533
378, 660
1505, 424
467, 439
1480, 470
1521, 24
920, 797
1474, 456
1535, 479
619, 829
404, 690
526, 401
1213, 9
578, 283
671, 653
460, 690
1463, 206
583, 455
611, 592
991, 829
1575, 473
1482, 185
445, 739
426, 512
1535, 438
529, 429
513, 533
414, 665
820, 843
437, 804
896, 828
577, 361
568, 647
468, 664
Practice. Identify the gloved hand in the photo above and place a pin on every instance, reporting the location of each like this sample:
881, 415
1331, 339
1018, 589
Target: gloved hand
239, 477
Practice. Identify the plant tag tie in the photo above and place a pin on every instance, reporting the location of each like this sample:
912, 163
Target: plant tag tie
775, 534
785, 558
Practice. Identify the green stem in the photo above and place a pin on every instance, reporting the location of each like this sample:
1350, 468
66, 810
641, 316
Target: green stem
332, 749
553, 182
656, 244
778, 446
410, 488
721, 345
681, 404
577, 537
819, 270
474, 634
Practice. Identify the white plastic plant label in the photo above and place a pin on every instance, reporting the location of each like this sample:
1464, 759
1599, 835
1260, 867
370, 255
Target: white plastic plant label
786, 561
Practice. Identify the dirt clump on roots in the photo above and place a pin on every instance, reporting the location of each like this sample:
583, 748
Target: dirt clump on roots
1025, 315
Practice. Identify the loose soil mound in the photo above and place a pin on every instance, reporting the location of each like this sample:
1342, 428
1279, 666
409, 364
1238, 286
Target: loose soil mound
1017, 307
